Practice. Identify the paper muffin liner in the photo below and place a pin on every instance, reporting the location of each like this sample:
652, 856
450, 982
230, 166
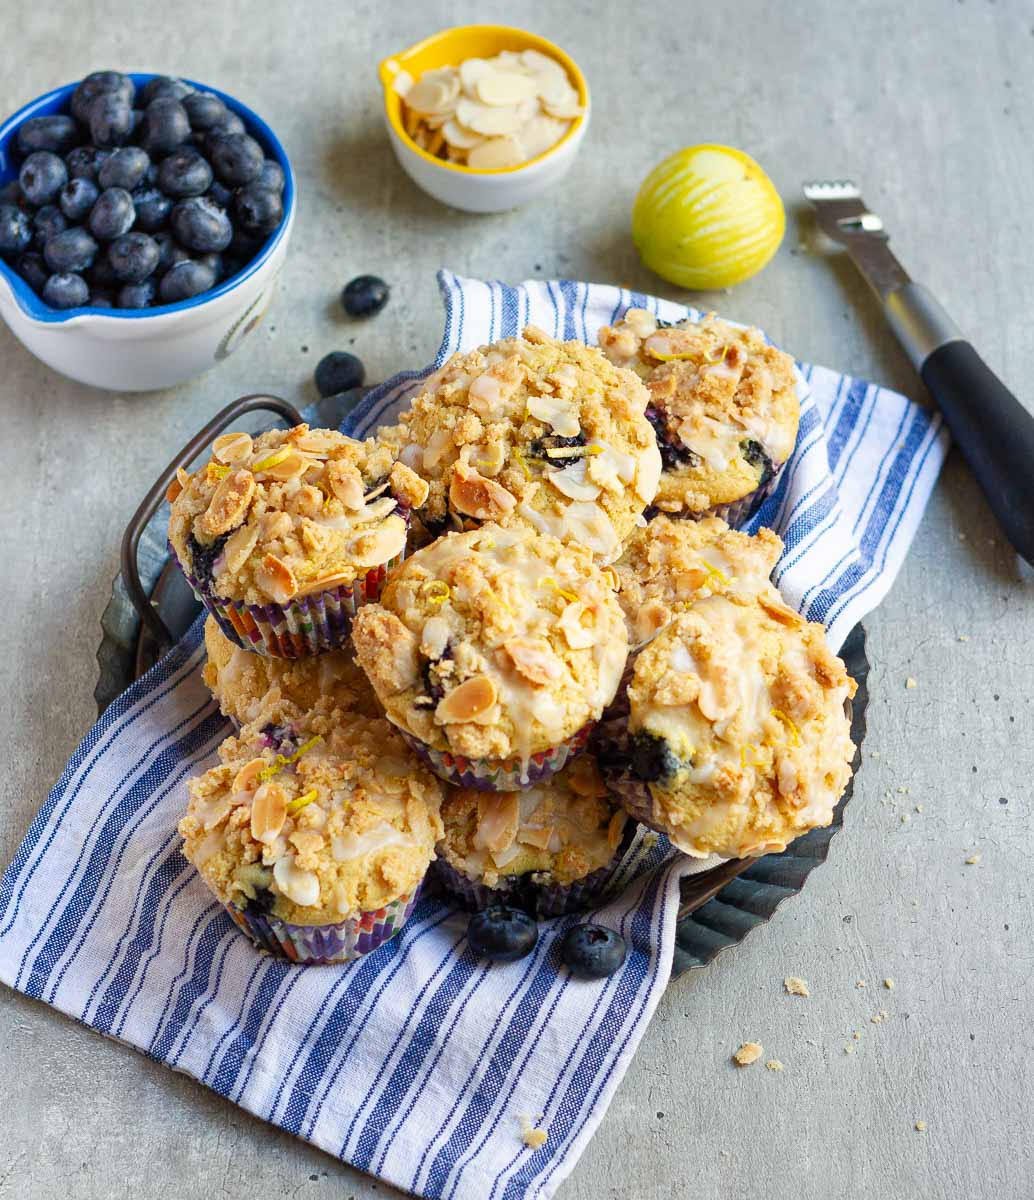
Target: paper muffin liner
342, 942
499, 775
536, 893
737, 512
303, 627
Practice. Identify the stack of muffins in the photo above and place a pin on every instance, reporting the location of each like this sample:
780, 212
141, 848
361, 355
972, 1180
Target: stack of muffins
545, 655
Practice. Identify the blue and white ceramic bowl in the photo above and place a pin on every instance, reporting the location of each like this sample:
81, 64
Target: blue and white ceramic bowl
137, 350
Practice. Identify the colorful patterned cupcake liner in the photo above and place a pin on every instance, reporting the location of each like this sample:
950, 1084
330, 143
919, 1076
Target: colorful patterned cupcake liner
536, 893
499, 775
303, 627
318, 944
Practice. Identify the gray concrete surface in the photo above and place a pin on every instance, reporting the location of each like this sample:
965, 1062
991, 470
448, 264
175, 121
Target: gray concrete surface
931, 106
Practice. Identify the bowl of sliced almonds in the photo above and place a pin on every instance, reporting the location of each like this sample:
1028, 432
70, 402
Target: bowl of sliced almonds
484, 117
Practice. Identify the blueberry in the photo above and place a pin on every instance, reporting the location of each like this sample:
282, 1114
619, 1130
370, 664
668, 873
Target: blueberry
97, 84
201, 225
230, 124
271, 175
338, 372
33, 270
236, 158
101, 299
112, 215
11, 193
758, 457
123, 168
674, 451
244, 246
204, 557
152, 208
133, 257
220, 194
165, 126
85, 161
111, 120
78, 196
592, 951
42, 176
502, 934
364, 296
137, 295
151, 175
184, 280
215, 264
57, 133
71, 250
259, 210
650, 757
184, 173
204, 110
164, 87
170, 252
66, 290
101, 276
48, 222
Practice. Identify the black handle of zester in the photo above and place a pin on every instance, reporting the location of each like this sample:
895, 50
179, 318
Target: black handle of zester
994, 432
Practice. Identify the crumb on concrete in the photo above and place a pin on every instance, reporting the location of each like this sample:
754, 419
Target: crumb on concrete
774, 1064
748, 1053
849, 1049
889, 984
910, 682
795, 986
921, 1126
860, 983
972, 860
963, 637
919, 808
880, 1017
857, 1035
905, 818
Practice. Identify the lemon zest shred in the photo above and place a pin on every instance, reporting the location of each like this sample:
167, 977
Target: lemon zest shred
273, 459
550, 582
436, 591
282, 760
755, 759
791, 728
219, 470
719, 575
299, 802
519, 459
682, 356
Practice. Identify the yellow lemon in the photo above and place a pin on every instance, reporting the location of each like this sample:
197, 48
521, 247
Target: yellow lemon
707, 217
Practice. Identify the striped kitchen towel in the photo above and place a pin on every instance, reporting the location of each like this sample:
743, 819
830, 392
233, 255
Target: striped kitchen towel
417, 1064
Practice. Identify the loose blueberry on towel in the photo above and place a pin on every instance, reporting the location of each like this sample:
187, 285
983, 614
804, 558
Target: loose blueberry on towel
502, 934
364, 296
593, 951
339, 372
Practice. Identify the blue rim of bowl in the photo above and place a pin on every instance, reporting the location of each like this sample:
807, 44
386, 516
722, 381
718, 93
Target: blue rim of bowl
33, 305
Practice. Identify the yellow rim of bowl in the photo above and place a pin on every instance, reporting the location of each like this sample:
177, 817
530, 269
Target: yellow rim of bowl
474, 41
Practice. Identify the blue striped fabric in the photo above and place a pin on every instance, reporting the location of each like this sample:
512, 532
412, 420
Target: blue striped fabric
417, 1064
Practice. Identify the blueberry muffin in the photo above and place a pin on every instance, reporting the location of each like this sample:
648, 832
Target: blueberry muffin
494, 651
735, 738
252, 688
551, 848
285, 535
724, 406
315, 840
667, 565
538, 432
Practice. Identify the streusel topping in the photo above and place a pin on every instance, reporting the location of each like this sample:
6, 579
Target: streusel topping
291, 513
723, 402
738, 726
670, 564
535, 431
563, 829
255, 688
496, 643
314, 826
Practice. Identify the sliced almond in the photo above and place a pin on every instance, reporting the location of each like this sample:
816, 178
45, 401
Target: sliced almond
541, 133
578, 624
317, 441
302, 887
276, 579
239, 546
460, 138
488, 120
648, 474
231, 447
434, 637
324, 583
559, 413
173, 490
268, 812
571, 481
501, 88
496, 153
471, 71
467, 702
541, 64
536, 835
435, 91
780, 612
247, 777
641, 321
589, 524
380, 545
291, 466
346, 483
534, 659
471, 493
560, 100
499, 815
651, 619
229, 504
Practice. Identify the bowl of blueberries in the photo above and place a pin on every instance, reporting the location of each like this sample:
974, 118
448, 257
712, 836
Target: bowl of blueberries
143, 223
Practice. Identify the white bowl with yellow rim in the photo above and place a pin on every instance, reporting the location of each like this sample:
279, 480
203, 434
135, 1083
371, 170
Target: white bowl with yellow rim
473, 189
